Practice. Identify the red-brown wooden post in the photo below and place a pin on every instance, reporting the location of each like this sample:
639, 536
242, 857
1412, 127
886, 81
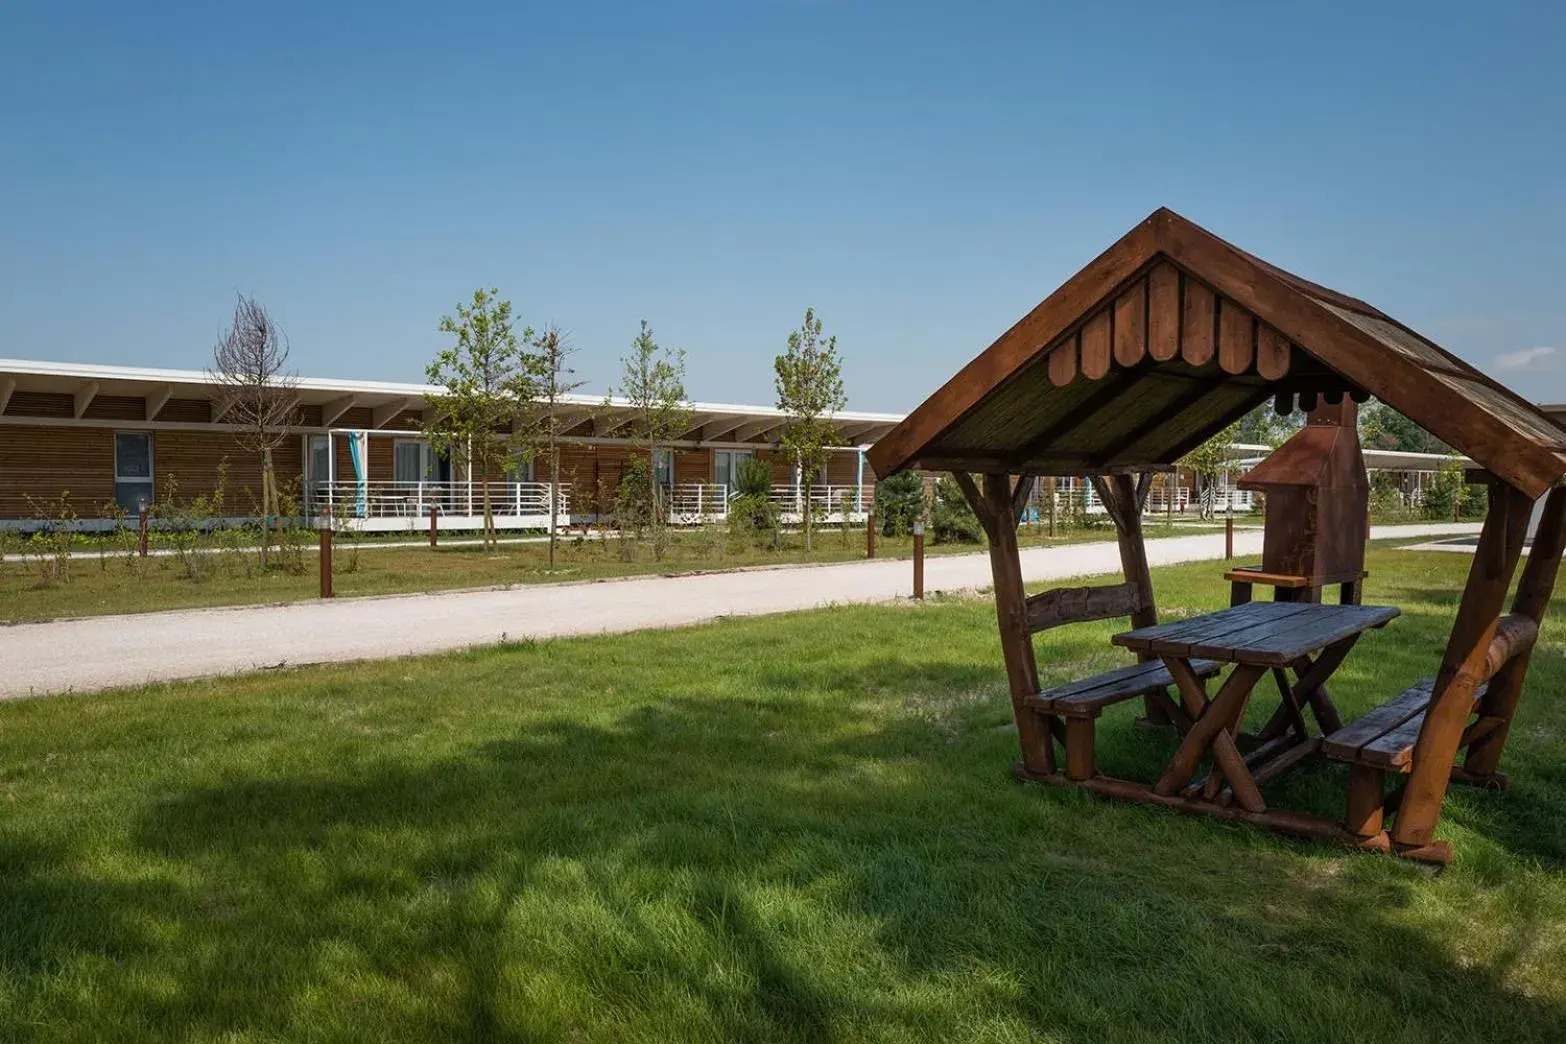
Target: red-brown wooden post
326, 557
141, 531
1123, 500
434, 526
1463, 665
1228, 535
994, 509
918, 559
870, 535
1533, 599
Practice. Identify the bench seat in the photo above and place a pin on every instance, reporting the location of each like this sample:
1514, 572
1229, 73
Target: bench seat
1087, 697
1384, 738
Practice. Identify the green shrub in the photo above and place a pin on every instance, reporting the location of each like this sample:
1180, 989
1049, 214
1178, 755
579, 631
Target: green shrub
751, 511
952, 520
899, 502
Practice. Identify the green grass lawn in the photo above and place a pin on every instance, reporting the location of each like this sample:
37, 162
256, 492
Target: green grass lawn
791, 828
123, 585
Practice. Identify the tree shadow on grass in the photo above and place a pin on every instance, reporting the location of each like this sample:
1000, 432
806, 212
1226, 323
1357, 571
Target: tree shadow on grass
759, 869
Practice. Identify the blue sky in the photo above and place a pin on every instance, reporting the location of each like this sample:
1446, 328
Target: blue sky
922, 174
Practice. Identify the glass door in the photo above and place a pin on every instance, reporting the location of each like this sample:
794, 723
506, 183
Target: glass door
133, 470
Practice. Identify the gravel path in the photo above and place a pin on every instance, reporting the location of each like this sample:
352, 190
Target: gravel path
105, 651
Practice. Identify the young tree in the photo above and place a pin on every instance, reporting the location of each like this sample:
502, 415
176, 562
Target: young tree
256, 394
551, 351
809, 381
653, 384
1207, 462
490, 383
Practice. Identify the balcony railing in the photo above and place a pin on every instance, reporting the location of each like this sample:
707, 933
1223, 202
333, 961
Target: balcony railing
413, 500
385, 505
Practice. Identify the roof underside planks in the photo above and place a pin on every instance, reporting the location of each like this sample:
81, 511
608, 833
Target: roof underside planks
1171, 335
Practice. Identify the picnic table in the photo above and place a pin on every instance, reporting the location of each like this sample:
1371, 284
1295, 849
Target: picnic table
1309, 639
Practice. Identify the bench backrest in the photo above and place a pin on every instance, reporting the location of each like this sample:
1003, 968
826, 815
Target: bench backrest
1067, 605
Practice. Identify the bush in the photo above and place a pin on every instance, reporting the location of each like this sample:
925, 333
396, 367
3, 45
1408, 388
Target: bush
751, 510
1449, 490
952, 520
899, 502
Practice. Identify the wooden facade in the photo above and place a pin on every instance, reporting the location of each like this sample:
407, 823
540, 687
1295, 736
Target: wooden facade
39, 463
1155, 347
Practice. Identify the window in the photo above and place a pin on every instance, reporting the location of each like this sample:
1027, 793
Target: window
410, 460
663, 467
725, 465
320, 459
133, 470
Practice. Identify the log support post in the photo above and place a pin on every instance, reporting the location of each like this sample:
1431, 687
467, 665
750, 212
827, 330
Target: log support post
1123, 497
1533, 598
1462, 666
870, 535
326, 558
997, 506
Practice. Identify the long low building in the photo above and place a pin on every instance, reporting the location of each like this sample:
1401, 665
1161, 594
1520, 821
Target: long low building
115, 437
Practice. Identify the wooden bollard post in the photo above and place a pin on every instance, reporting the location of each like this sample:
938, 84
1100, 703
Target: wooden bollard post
326, 558
918, 560
434, 526
1228, 535
870, 535
141, 532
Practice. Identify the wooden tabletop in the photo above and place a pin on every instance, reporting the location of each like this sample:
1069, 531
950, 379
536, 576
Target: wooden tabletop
1268, 634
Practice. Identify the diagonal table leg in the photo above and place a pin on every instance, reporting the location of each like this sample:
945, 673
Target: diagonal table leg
1311, 689
1210, 731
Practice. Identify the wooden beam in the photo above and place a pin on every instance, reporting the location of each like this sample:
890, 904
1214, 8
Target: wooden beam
1185, 401
1228, 418
7, 386
1313, 318
1022, 673
156, 400
749, 432
386, 412
1462, 665
222, 406
1531, 602
1101, 396
84, 396
333, 410
1063, 605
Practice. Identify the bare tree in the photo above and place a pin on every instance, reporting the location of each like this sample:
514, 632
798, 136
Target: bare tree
257, 395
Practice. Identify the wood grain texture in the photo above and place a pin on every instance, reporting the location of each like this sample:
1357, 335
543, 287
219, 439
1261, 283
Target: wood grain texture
1131, 325
1196, 324
1272, 353
1462, 665
1063, 605
1063, 362
1095, 347
1236, 334
1163, 312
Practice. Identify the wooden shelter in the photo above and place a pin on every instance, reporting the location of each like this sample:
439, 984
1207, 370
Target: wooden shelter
1157, 345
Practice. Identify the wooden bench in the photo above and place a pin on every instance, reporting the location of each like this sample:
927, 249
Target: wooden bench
1088, 697
1383, 741
1080, 703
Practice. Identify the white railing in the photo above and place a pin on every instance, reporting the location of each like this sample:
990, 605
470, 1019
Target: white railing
826, 502
1160, 500
692, 503
413, 500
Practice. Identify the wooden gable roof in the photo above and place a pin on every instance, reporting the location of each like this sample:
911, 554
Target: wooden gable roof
1171, 335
